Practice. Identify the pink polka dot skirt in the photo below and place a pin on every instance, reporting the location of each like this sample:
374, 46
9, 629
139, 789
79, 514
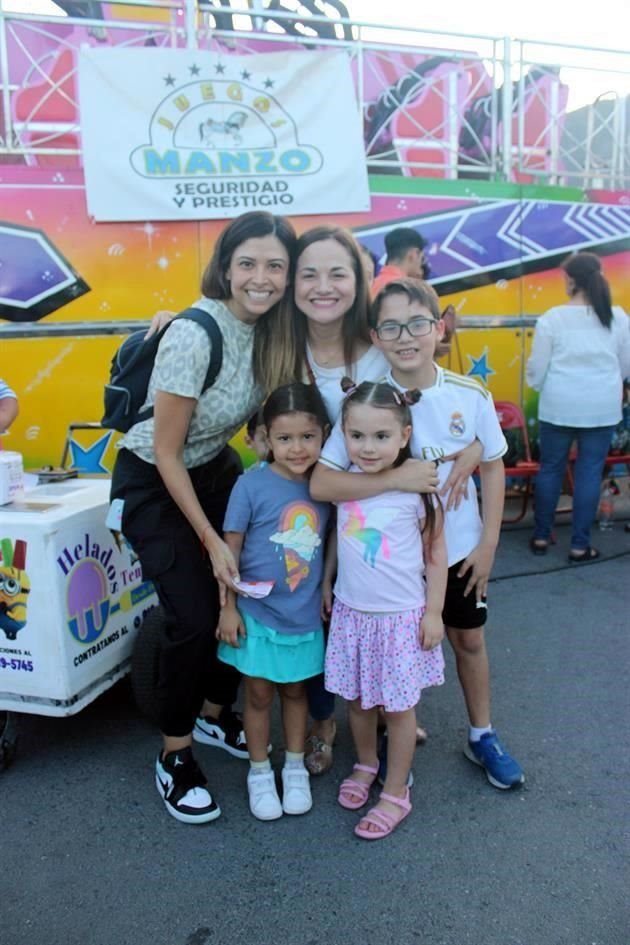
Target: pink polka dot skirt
377, 658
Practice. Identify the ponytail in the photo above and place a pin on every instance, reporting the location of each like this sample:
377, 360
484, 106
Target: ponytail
586, 272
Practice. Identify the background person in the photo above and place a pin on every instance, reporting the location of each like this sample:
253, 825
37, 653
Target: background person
370, 264
405, 257
580, 356
9, 407
256, 438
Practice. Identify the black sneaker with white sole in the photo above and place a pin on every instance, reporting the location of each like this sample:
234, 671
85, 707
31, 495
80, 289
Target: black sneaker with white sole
225, 732
182, 787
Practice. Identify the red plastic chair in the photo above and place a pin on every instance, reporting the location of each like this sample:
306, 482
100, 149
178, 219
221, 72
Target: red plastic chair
512, 420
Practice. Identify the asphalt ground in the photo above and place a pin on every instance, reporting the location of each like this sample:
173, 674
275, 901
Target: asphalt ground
89, 856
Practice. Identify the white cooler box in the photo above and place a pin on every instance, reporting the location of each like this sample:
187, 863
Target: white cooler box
71, 599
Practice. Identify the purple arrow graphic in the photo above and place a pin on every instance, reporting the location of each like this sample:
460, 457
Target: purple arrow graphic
35, 278
506, 238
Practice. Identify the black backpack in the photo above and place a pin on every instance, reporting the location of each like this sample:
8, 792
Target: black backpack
131, 371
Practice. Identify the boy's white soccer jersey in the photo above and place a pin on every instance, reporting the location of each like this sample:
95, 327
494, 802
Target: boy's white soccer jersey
449, 416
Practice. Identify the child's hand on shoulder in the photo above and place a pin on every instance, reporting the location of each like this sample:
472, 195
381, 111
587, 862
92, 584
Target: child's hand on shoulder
431, 630
230, 626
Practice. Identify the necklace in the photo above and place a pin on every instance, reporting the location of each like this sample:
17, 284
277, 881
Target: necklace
325, 358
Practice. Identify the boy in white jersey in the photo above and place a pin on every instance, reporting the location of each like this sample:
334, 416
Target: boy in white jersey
452, 412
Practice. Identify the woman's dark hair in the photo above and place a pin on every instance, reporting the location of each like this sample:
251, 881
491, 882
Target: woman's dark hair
416, 291
296, 398
356, 320
586, 271
385, 397
268, 362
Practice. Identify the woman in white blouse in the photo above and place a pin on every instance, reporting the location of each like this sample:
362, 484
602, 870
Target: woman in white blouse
580, 356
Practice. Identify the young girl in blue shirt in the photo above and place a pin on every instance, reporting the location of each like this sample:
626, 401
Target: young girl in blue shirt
276, 532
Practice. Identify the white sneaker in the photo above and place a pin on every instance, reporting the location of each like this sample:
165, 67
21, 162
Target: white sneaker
264, 802
296, 790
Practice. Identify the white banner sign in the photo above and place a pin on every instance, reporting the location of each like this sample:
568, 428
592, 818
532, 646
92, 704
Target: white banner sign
193, 135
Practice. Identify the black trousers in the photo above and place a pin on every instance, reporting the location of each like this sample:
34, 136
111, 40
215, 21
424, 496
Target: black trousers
173, 558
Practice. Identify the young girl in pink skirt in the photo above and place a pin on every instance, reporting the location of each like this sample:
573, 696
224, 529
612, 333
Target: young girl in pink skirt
386, 627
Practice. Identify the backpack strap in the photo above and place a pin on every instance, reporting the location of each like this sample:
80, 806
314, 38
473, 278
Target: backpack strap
207, 322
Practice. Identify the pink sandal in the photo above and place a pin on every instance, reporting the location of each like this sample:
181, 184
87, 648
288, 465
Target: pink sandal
382, 819
360, 789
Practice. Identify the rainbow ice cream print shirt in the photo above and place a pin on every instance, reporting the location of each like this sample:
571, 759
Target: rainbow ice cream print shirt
285, 533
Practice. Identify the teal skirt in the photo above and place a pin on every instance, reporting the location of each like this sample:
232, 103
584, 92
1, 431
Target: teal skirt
278, 657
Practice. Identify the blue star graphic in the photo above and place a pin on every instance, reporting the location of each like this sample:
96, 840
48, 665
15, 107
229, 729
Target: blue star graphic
169, 79
245, 74
268, 84
194, 70
219, 69
480, 367
90, 460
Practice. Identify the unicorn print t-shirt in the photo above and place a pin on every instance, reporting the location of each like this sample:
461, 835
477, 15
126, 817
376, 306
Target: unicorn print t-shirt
285, 532
379, 550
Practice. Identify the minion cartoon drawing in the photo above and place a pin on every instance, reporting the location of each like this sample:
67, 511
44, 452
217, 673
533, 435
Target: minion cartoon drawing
15, 587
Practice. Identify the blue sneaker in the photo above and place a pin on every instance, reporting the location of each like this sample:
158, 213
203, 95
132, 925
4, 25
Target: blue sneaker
501, 769
381, 777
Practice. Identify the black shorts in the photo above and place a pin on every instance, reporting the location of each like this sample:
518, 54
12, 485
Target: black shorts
462, 613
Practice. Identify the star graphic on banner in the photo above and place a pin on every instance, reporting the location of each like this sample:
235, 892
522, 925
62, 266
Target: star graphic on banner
169, 79
245, 74
194, 70
268, 84
480, 367
90, 460
219, 68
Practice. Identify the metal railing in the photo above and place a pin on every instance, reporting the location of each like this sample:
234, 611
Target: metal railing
433, 104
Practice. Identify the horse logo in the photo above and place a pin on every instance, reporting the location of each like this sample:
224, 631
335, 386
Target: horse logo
209, 129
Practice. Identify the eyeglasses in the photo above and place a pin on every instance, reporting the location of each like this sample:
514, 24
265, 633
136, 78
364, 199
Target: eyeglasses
417, 327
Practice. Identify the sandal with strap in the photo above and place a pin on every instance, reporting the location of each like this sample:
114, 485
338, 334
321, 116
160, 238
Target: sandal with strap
538, 546
318, 757
382, 819
589, 554
354, 794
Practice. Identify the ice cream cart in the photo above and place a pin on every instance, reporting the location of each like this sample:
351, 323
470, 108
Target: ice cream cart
71, 599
